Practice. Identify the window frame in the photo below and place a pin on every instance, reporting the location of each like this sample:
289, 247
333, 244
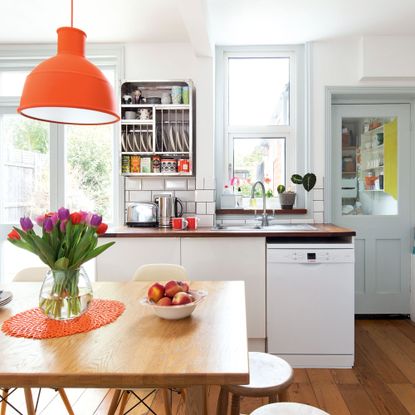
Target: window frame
294, 133
26, 57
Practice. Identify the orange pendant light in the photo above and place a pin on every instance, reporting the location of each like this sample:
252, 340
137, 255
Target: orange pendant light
67, 88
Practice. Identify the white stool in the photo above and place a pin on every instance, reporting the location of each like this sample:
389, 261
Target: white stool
288, 408
269, 376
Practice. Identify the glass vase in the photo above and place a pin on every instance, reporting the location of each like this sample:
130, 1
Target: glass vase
65, 294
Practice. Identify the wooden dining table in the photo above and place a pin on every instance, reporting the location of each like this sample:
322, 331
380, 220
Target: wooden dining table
139, 349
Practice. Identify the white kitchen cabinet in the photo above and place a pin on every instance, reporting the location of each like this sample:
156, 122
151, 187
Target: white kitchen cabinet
119, 262
231, 259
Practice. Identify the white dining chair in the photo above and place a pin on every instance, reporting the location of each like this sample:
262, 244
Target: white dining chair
33, 274
153, 272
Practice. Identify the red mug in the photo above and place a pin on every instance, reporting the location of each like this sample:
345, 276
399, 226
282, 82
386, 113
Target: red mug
179, 223
192, 222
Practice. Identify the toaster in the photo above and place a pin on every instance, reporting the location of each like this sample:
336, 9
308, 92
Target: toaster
142, 214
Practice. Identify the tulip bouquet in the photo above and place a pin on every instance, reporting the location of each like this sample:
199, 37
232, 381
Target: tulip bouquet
68, 240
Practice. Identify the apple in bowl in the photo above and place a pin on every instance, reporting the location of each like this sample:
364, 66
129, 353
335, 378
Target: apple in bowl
177, 301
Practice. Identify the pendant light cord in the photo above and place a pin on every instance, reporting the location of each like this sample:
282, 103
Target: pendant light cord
71, 13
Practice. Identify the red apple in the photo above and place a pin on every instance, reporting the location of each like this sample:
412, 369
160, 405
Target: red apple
172, 288
165, 301
184, 285
155, 292
182, 298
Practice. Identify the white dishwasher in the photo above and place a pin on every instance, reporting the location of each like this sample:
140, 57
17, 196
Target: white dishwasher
310, 303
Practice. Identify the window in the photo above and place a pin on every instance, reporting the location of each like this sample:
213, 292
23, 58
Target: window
44, 166
260, 96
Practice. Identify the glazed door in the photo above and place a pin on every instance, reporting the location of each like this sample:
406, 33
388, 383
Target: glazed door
371, 194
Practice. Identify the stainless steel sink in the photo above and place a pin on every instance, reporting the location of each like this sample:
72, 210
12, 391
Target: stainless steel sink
280, 227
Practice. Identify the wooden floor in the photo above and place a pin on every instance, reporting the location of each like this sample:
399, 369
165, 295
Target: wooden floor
381, 383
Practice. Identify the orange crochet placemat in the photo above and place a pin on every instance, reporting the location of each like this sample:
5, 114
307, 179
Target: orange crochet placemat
33, 324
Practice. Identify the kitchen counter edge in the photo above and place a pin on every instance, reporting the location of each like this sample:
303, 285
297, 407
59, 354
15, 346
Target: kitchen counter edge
325, 230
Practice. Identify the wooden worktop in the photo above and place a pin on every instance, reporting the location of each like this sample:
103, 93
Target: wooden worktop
325, 230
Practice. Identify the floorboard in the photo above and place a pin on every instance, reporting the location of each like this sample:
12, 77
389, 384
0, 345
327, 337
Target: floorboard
382, 382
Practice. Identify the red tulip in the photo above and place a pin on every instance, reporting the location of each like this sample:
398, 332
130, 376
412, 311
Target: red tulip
76, 218
14, 235
102, 228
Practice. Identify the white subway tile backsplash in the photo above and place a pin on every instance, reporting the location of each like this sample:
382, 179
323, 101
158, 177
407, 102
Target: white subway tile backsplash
209, 183
175, 184
199, 182
318, 217
132, 183
206, 220
185, 195
204, 195
191, 184
139, 196
152, 184
190, 207
201, 208
318, 206
210, 208
318, 194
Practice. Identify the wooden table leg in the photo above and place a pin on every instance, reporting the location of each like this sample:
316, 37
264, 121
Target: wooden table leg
3, 402
29, 401
65, 401
114, 402
196, 400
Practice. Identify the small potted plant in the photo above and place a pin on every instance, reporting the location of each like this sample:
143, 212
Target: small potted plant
287, 197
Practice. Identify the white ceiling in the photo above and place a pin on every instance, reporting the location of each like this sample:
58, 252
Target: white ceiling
229, 21
298, 21
102, 20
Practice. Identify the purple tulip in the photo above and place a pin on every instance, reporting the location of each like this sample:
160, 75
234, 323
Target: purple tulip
48, 225
54, 218
40, 220
62, 226
63, 213
26, 224
95, 220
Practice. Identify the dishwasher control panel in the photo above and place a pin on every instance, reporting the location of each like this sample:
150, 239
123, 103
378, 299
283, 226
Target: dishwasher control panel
310, 256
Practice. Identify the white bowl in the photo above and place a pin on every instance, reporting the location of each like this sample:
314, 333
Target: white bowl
176, 312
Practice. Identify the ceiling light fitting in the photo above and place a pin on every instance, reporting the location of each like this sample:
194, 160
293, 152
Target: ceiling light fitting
67, 88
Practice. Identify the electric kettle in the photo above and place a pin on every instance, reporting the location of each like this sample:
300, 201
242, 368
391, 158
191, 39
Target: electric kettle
168, 207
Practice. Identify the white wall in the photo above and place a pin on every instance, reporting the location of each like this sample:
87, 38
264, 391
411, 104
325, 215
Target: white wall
164, 61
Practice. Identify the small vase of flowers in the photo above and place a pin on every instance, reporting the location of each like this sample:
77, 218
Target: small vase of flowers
67, 241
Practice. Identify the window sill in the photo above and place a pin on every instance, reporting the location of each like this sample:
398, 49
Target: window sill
255, 212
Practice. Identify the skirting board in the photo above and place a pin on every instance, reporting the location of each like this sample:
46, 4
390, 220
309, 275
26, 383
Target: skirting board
319, 361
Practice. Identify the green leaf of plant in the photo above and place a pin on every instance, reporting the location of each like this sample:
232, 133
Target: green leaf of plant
309, 181
62, 263
90, 255
297, 179
281, 188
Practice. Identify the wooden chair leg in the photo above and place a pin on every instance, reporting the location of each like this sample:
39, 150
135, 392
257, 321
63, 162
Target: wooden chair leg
124, 399
29, 401
65, 401
114, 402
236, 405
222, 406
166, 400
3, 407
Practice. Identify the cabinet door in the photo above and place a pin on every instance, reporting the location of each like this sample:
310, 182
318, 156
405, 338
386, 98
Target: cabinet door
120, 261
231, 259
